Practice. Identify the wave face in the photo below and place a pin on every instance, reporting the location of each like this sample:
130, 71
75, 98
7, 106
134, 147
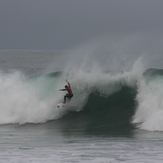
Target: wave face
102, 102
110, 114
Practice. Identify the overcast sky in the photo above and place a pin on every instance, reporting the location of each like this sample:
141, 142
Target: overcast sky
65, 24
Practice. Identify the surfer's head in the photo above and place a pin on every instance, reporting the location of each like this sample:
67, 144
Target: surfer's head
66, 86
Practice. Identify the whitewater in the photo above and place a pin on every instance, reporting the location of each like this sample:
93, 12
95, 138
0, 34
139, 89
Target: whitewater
114, 116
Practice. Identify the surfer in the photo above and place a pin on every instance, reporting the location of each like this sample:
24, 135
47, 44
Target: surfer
68, 89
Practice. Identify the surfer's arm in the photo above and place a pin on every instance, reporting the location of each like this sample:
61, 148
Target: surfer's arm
68, 83
62, 89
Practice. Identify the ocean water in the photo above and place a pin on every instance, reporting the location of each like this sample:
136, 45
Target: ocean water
116, 114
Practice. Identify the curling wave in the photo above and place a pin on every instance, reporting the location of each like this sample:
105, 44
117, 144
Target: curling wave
103, 102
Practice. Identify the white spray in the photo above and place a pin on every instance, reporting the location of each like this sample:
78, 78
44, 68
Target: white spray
22, 101
149, 114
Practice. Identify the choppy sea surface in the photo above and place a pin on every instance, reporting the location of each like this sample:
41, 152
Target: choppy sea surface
115, 115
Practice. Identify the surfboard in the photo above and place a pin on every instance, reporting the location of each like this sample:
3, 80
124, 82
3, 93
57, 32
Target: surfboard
61, 104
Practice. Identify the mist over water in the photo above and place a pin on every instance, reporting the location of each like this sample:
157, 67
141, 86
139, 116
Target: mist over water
23, 97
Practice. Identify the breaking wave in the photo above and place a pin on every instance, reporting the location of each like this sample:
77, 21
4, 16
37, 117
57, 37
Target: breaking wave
103, 100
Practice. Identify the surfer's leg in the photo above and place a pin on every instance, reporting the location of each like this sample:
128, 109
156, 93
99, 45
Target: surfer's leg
65, 98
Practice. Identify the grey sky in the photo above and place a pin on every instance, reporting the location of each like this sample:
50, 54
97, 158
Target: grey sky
65, 24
